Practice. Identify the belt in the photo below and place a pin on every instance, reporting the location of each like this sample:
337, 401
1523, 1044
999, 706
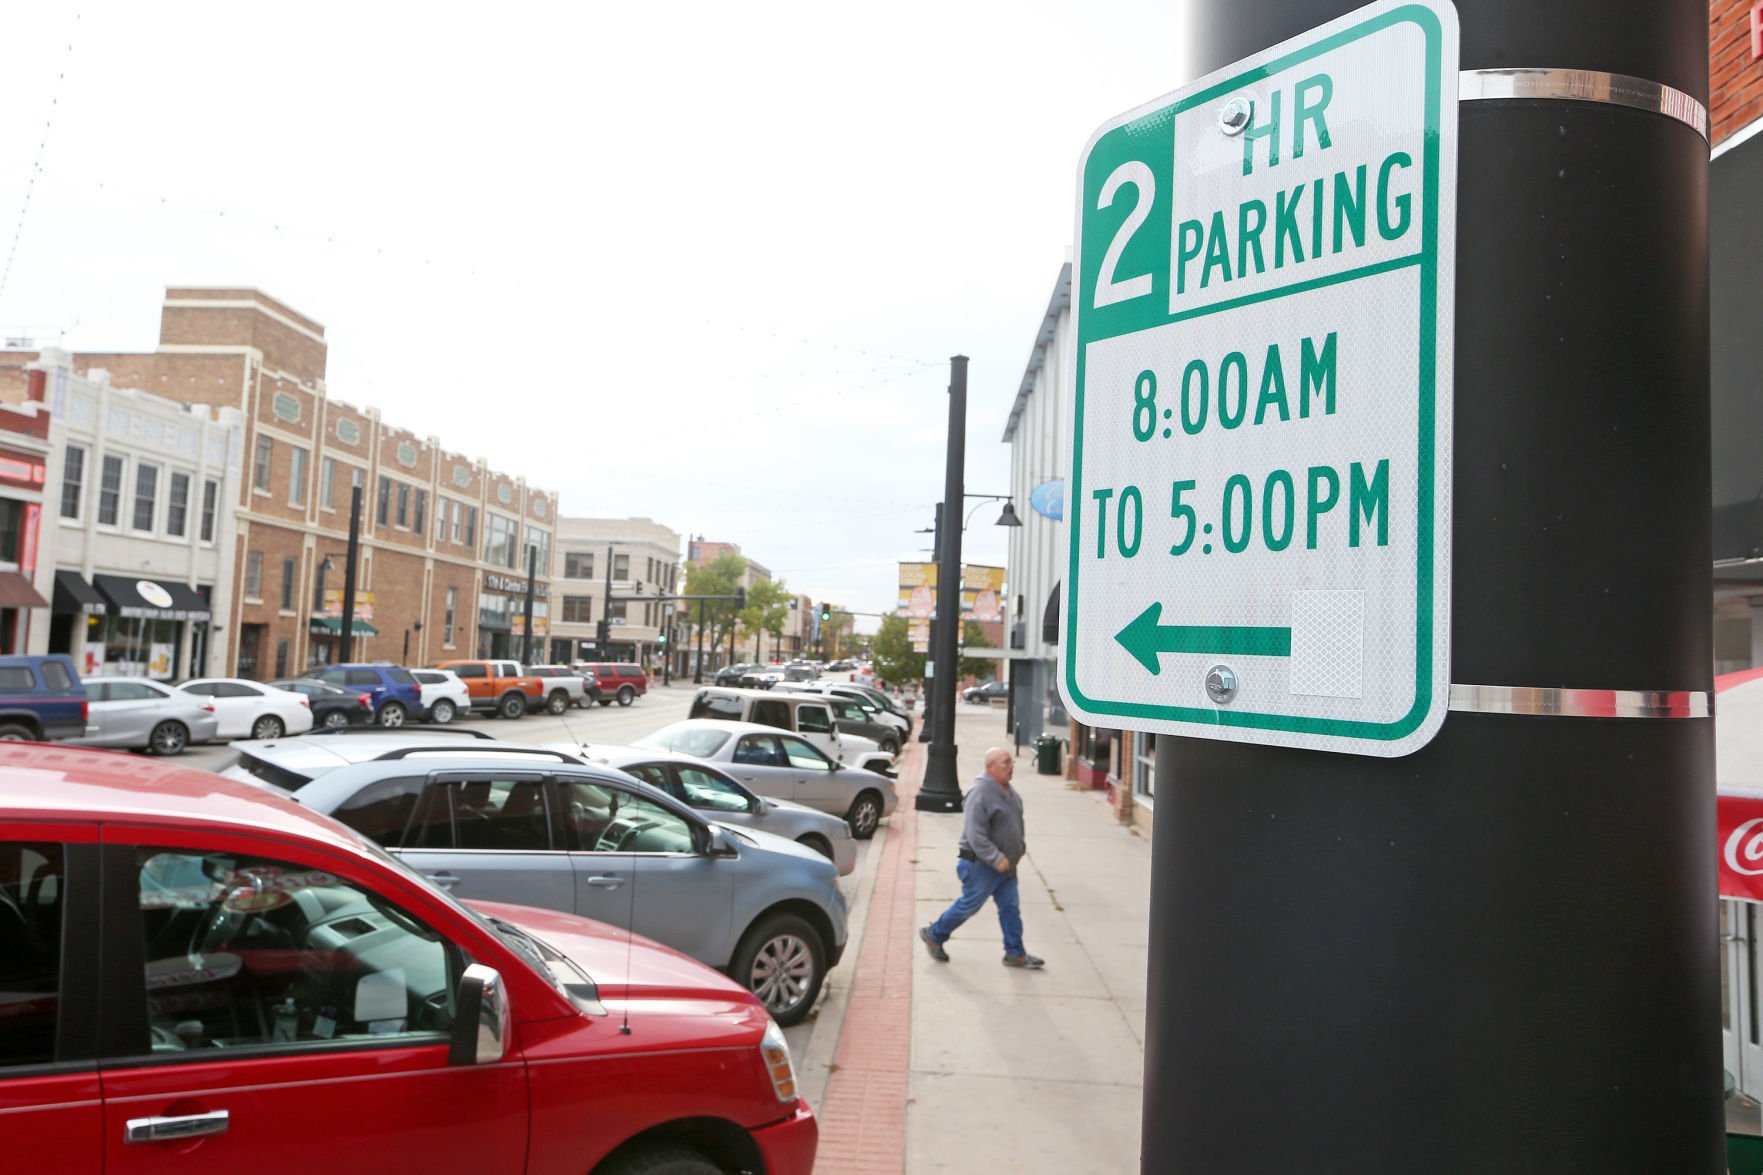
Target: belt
966, 855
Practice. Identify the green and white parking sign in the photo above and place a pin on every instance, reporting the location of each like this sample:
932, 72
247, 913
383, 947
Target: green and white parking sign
1260, 492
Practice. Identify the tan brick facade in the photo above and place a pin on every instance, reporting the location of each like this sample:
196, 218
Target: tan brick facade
425, 509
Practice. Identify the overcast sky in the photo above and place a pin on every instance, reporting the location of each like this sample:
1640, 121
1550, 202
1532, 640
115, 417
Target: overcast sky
704, 263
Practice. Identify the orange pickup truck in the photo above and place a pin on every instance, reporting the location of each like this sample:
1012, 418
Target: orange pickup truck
498, 687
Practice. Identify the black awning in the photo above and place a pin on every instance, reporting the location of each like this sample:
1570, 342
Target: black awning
1050, 617
18, 592
74, 594
153, 599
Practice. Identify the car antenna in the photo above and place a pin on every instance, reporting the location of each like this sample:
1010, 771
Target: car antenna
573, 737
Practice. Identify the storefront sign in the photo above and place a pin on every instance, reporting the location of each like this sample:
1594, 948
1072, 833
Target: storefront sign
511, 586
19, 469
1740, 821
153, 593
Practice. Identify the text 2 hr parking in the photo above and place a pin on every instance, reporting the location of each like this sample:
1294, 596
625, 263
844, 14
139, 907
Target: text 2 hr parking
1270, 513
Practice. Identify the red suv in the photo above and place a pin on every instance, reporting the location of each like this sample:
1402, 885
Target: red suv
198, 974
620, 681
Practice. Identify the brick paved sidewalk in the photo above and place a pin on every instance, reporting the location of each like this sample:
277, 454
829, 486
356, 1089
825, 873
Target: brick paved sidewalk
863, 1112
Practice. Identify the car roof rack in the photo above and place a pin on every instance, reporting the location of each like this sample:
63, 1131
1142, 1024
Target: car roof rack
500, 749
340, 731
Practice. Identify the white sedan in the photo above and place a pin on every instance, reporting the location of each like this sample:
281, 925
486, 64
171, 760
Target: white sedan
250, 709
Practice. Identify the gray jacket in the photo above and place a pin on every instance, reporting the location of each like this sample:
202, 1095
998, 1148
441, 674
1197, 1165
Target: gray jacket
991, 824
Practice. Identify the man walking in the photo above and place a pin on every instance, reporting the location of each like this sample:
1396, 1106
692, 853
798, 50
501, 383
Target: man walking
992, 846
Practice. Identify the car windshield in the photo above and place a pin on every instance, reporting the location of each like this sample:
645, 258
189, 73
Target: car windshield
699, 741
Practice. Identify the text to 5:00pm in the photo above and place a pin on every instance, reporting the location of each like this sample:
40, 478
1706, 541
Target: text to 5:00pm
1283, 509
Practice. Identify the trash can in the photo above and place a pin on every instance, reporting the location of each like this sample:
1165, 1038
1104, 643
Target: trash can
1047, 755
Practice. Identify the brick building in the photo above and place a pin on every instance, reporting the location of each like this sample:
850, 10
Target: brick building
623, 558
444, 538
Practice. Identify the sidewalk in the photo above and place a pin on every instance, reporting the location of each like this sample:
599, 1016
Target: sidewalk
969, 1065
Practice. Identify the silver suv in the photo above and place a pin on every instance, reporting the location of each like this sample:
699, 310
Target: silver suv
500, 822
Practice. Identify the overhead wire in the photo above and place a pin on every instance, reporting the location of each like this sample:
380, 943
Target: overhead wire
30, 186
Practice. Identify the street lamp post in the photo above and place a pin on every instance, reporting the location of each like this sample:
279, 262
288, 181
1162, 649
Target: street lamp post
351, 563
941, 792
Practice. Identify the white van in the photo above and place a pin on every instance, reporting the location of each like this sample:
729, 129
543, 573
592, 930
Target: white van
808, 715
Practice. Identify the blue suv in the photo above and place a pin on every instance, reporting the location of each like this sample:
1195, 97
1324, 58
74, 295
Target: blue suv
395, 693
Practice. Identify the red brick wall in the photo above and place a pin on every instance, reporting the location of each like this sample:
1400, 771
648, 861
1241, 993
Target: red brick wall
1735, 78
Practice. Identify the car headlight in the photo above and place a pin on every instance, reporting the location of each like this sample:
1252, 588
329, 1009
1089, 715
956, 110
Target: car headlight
775, 1051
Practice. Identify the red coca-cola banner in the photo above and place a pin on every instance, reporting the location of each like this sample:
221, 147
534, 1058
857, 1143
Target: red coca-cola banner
1741, 846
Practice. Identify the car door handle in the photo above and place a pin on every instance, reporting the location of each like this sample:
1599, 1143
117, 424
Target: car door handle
173, 1129
444, 880
606, 881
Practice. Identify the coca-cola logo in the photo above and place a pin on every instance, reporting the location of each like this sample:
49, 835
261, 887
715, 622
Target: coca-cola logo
1744, 848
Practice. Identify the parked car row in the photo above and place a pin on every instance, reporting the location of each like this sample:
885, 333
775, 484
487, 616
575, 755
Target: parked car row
46, 701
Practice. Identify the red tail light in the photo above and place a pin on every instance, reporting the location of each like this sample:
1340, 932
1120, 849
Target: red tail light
305, 702
366, 701
208, 706
85, 709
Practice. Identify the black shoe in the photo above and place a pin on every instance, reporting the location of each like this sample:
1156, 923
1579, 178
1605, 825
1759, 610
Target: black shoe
932, 945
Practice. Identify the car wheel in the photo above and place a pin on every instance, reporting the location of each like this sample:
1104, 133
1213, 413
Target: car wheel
391, 714
626, 695
168, 738
12, 732
865, 815
890, 745
782, 962
818, 843
335, 720
268, 726
605, 701
443, 712
557, 703
512, 706
661, 1160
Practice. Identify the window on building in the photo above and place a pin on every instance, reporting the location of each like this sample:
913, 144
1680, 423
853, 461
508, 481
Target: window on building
260, 468
499, 540
210, 501
452, 611
253, 575
470, 527
578, 609
621, 567
110, 490
146, 495
403, 505
443, 508
73, 481
537, 542
383, 511
615, 610
578, 565
290, 571
11, 532
420, 513
297, 476
281, 658
327, 474
177, 509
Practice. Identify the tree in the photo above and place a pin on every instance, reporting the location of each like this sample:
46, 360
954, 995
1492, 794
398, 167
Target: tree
983, 668
768, 602
719, 577
895, 660
833, 633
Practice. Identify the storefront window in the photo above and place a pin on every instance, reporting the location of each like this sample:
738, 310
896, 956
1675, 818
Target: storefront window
134, 646
1144, 766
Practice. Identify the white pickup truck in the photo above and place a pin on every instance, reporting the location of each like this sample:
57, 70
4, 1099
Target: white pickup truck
564, 687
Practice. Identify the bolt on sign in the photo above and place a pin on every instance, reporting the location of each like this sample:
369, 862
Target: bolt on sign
1260, 493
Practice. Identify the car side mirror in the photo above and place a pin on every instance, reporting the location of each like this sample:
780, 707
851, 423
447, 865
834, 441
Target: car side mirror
482, 1019
720, 844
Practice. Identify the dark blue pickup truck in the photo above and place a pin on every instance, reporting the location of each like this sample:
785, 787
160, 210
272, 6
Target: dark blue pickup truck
41, 699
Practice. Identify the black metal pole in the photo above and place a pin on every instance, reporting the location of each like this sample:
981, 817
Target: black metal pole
698, 661
606, 611
1498, 953
941, 791
351, 562
532, 580
928, 729
667, 659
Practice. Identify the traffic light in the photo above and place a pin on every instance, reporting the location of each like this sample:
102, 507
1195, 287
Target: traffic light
603, 634
662, 639
740, 598
826, 612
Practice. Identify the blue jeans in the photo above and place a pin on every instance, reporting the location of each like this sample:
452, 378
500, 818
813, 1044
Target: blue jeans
980, 881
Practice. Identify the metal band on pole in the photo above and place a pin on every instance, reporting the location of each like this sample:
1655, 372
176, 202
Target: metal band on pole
1542, 701
1583, 85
